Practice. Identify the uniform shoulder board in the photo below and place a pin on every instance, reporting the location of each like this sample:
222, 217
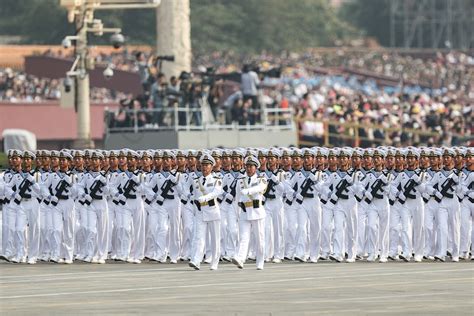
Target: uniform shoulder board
218, 176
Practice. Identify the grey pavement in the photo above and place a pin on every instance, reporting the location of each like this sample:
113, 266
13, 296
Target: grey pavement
287, 288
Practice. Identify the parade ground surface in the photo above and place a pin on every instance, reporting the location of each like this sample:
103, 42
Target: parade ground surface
286, 288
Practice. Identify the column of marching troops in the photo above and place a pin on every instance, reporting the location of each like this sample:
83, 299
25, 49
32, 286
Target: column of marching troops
267, 205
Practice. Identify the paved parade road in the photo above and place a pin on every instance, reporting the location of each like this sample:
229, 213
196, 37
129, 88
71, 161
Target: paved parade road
423, 288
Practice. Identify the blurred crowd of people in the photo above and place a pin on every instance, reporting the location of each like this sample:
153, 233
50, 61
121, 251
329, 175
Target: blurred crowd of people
429, 92
17, 86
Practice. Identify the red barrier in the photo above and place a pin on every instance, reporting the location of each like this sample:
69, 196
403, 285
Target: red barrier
48, 121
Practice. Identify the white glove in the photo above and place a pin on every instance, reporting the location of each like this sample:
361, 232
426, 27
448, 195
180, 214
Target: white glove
30, 178
229, 197
312, 177
172, 178
416, 178
383, 178
334, 197
88, 198
122, 198
53, 199
368, 195
454, 177
274, 178
102, 179
17, 197
134, 178
202, 199
402, 196
471, 195
438, 195
348, 178
426, 196
299, 197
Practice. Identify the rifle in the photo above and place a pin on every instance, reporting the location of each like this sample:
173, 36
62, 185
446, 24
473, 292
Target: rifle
269, 189
23, 188
232, 190
340, 188
165, 188
375, 188
128, 188
308, 183
95, 188
60, 188
445, 187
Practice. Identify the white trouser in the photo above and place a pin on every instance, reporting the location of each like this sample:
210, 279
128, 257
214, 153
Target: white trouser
151, 236
412, 227
96, 230
395, 229
168, 229
231, 239
429, 228
448, 214
362, 219
111, 229
81, 233
17, 220
345, 225
291, 228
187, 220
137, 249
124, 228
274, 245
61, 231
467, 219
246, 227
5, 211
202, 230
309, 212
378, 218
45, 223
327, 227
31, 208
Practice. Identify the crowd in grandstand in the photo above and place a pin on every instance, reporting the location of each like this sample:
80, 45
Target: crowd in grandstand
431, 93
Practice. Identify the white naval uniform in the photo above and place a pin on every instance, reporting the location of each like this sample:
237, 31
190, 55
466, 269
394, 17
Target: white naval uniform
80, 218
62, 222
443, 186
466, 195
429, 228
92, 194
362, 217
187, 213
376, 191
308, 240
127, 193
230, 212
167, 217
274, 245
412, 211
45, 218
340, 191
252, 218
17, 213
206, 190
291, 214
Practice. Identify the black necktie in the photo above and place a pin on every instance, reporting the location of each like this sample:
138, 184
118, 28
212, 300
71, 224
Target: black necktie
203, 181
249, 181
